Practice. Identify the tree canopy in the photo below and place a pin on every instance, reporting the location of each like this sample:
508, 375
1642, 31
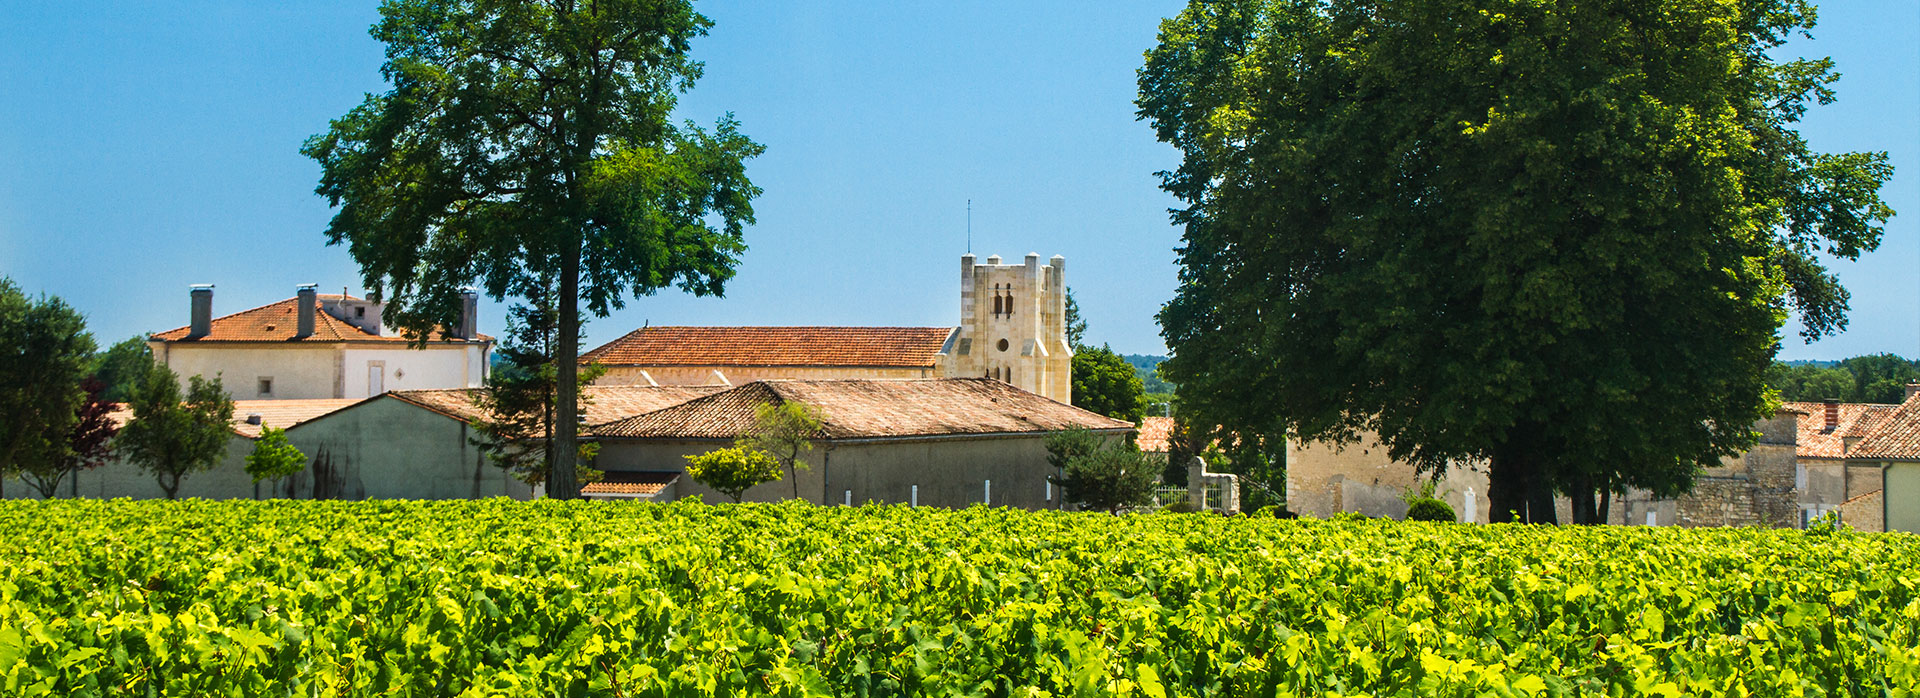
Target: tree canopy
734, 470
122, 368
172, 435
1559, 237
44, 350
784, 430
1106, 384
274, 457
530, 147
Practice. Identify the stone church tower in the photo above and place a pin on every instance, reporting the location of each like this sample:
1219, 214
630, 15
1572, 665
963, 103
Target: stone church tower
1013, 326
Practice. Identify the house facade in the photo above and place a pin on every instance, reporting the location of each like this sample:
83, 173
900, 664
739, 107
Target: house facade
1012, 329
318, 346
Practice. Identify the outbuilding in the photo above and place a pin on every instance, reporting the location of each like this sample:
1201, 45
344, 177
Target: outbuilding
938, 442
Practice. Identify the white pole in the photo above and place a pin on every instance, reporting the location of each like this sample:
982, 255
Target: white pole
1471, 505
987, 497
849, 501
915, 497
1049, 491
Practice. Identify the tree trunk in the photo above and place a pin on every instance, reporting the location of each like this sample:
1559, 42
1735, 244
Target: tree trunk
1518, 490
1507, 487
562, 482
172, 490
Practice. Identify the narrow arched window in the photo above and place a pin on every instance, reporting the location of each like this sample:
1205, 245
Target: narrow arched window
996, 300
1009, 301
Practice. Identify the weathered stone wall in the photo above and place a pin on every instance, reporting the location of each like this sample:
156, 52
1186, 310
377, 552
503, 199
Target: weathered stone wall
1866, 512
1756, 488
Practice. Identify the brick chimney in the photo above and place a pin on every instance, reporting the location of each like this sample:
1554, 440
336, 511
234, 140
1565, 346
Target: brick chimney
1833, 416
469, 315
305, 300
202, 318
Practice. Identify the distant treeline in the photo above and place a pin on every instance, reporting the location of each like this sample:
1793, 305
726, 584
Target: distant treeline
1147, 366
1876, 378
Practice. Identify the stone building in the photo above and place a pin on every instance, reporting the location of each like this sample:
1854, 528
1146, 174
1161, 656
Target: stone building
1863, 462
317, 346
940, 442
1754, 488
1012, 328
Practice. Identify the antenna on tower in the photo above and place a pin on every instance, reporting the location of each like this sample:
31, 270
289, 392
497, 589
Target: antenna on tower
969, 226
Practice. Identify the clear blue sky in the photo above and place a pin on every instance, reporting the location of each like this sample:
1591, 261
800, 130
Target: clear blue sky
147, 146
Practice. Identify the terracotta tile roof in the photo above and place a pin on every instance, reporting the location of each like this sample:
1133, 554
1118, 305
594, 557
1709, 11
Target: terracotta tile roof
853, 409
903, 347
277, 322
1894, 435
629, 484
278, 414
610, 402
281, 414
1814, 441
1154, 432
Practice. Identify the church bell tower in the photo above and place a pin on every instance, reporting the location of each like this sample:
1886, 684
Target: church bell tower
1013, 325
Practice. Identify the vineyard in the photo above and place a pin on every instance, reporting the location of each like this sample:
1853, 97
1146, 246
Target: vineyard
613, 599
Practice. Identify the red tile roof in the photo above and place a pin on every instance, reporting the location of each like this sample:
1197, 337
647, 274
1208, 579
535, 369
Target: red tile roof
1895, 435
902, 347
629, 484
278, 414
608, 402
853, 409
277, 322
281, 414
1856, 420
1154, 432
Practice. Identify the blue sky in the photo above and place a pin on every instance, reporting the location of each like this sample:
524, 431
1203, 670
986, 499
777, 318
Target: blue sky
148, 146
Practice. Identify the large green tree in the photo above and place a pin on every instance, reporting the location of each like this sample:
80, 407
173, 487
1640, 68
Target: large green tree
529, 146
1106, 384
1557, 236
44, 350
122, 368
174, 435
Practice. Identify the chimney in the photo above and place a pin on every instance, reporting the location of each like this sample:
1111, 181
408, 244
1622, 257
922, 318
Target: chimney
469, 315
1911, 389
253, 418
305, 298
202, 324
1833, 416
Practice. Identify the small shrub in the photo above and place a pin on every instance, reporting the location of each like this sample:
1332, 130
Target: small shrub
1429, 509
1180, 507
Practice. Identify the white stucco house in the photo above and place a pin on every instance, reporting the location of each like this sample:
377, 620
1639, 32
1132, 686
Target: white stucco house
318, 345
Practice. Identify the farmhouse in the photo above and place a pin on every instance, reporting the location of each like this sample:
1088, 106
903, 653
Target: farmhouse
1012, 328
1862, 461
318, 345
938, 442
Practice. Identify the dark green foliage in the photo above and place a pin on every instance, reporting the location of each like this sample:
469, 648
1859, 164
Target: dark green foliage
122, 368
1076, 325
1064, 446
1109, 479
1878, 378
88, 444
1104, 383
522, 399
44, 351
1429, 509
173, 436
531, 148
1558, 237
